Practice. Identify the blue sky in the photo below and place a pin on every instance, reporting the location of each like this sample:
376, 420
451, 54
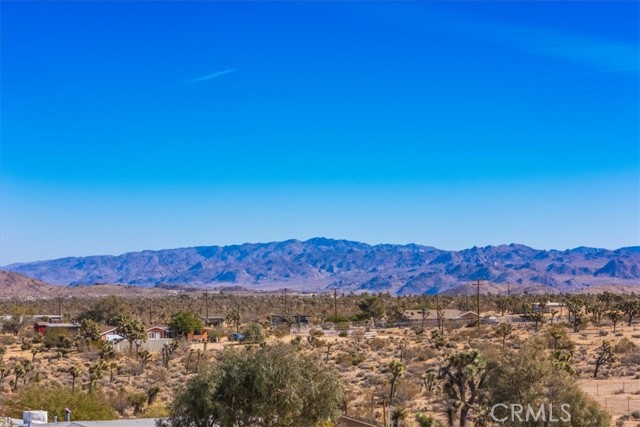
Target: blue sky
149, 125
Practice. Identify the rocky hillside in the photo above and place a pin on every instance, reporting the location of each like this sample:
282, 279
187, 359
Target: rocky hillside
323, 263
14, 285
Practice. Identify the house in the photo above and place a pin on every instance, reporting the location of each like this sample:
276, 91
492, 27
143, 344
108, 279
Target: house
109, 333
44, 327
214, 321
297, 319
165, 332
546, 308
160, 332
430, 317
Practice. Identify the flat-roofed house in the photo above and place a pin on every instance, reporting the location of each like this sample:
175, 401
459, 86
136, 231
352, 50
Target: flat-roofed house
214, 321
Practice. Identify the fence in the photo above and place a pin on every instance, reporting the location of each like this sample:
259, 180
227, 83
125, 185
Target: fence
615, 396
353, 422
153, 345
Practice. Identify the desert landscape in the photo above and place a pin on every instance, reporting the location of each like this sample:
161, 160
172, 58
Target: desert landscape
390, 353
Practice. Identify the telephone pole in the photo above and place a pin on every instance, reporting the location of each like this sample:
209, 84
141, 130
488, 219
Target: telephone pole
335, 305
206, 306
285, 301
478, 284
438, 320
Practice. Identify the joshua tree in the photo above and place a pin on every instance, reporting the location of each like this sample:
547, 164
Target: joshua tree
113, 368
4, 373
556, 335
574, 305
18, 373
27, 366
95, 373
152, 393
107, 351
144, 356
429, 379
536, 317
396, 368
167, 352
131, 330
437, 339
605, 357
74, 371
503, 330
329, 344
464, 377
235, 317
425, 420
631, 308
399, 414
615, 315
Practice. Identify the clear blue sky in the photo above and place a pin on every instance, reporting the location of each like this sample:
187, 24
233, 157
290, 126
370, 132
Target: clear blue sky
142, 125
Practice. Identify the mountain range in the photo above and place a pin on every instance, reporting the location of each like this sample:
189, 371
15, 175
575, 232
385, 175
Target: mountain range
322, 264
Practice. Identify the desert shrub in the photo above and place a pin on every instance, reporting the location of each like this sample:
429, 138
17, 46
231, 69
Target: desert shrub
281, 331
55, 399
406, 391
316, 333
343, 334
254, 333
624, 346
377, 344
631, 359
157, 410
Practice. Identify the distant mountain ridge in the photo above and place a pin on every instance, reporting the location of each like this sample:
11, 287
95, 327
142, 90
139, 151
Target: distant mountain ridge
321, 263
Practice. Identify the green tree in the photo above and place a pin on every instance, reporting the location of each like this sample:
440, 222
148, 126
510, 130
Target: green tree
371, 308
530, 376
269, 386
185, 322
106, 311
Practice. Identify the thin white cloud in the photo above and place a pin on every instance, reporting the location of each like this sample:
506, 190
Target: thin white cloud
598, 53
209, 76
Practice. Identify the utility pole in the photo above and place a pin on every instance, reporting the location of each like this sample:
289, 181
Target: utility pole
438, 311
285, 301
335, 305
478, 284
59, 306
206, 306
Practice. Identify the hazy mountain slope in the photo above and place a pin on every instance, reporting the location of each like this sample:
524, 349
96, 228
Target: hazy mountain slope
16, 285
319, 262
